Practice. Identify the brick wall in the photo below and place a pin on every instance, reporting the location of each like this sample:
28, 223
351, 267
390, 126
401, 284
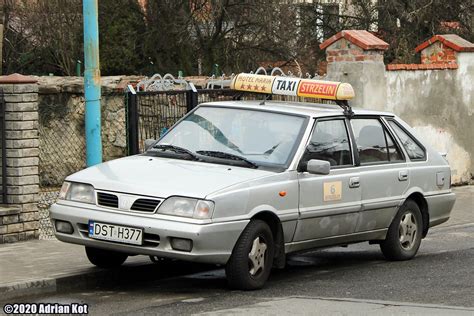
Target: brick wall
19, 217
345, 51
438, 53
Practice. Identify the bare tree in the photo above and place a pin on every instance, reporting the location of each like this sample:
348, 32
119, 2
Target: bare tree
43, 35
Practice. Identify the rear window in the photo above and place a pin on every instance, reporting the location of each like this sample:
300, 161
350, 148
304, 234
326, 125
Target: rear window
414, 150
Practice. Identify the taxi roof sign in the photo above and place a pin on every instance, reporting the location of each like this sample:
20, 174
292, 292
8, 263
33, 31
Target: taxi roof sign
329, 90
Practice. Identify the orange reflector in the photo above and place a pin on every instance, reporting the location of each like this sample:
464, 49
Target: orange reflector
282, 193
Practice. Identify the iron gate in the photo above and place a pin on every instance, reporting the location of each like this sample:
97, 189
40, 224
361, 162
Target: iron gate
152, 113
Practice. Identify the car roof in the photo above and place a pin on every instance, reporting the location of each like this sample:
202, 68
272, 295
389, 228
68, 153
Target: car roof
301, 108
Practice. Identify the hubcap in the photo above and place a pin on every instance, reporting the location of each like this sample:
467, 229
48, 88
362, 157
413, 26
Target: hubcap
407, 231
257, 256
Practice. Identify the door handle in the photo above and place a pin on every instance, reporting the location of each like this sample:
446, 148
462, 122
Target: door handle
354, 182
403, 175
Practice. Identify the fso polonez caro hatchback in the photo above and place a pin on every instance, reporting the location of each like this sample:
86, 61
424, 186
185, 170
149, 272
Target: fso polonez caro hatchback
244, 183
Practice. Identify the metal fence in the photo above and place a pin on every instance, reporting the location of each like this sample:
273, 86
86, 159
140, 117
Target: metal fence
156, 112
152, 113
62, 143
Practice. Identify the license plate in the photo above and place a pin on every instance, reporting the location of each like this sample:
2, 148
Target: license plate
117, 233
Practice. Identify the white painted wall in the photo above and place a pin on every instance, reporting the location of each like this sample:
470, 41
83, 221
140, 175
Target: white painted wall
439, 104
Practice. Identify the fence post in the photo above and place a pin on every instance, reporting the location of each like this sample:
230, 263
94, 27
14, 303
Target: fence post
191, 97
19, 217
132, 122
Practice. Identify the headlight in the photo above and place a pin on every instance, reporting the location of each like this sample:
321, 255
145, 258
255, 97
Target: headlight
77, 192
187, 207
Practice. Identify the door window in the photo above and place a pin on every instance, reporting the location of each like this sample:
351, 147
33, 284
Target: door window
414, 150
374, 144
330, 142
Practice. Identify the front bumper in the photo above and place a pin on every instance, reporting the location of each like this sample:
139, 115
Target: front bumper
212, 243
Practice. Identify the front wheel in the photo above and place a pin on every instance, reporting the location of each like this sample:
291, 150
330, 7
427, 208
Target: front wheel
404, 234
252, 258
105, 258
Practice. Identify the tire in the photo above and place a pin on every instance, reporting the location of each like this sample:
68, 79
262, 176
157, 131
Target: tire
404, 234
251, 261
105, 258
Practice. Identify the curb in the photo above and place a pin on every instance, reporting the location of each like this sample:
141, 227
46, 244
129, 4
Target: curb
124, 275
75, 281
32, 287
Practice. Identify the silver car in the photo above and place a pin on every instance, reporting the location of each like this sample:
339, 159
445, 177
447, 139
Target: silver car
244, 184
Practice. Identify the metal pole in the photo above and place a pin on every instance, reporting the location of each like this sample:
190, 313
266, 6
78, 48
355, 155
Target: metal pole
132, 122
191, 97
78, 68
92, 83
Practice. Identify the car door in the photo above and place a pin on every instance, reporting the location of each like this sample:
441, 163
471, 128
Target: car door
383, 172
328, 204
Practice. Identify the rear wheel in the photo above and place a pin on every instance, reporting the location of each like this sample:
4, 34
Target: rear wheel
252, 258
404, 234
105, 258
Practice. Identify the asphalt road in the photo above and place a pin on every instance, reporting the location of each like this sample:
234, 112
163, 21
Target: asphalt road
352, 280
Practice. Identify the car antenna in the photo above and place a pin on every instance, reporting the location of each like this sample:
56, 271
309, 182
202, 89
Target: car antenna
344, 104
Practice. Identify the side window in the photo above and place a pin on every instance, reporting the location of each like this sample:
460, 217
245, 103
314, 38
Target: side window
414, 150
374, 144
330, 142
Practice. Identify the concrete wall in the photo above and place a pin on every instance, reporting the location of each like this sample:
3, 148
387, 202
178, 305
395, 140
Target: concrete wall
437, 100
61, 125
439, 104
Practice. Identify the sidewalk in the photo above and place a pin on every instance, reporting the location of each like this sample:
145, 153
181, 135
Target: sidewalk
42, 266
48, 265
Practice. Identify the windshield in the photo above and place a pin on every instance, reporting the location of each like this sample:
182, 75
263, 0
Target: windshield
263, 138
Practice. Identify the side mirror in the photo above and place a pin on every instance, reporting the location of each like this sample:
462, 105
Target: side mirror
316, 166
149, 143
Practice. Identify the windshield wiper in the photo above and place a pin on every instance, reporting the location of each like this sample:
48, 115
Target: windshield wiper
271, 150
176, 149
224, 155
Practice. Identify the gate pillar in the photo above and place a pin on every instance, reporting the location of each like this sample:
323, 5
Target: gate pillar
19, 212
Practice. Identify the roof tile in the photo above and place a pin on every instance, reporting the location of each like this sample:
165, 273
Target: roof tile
437, 66
453, 41
361, 38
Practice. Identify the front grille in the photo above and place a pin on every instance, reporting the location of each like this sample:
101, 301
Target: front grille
107, 199
145, 205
